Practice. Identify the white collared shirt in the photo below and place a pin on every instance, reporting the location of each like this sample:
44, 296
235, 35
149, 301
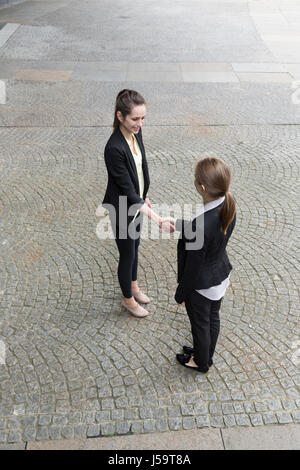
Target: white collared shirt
214, 292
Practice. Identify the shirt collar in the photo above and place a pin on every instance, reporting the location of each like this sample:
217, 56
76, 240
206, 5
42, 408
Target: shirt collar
210, 205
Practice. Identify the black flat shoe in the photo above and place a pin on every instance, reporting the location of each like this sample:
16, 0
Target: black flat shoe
184, 358
190, 351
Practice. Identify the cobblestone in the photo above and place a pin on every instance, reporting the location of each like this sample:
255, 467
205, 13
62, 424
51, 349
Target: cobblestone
76, 365
80, 431
242, 420
256, 419
137, 427
216, 421
270, 418
229, 420
296, 416
284, 417
188, 423
30, 434
202, 421
107, 429
93, 430
175, 423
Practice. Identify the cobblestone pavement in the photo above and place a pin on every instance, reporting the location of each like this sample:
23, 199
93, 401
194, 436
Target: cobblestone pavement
73, 364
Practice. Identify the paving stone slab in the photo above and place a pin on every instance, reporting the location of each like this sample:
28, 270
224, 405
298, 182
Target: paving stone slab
260, 67
153, 76
7, 30
48, 75
134, 67
87, 74
269, 438
209, 77
12, 446
205, 67
203, 439
261, 77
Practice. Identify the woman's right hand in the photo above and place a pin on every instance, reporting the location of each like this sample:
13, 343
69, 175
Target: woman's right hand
167, 224
147, 201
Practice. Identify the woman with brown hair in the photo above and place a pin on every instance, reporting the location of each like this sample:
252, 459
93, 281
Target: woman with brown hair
203, 264
126, 197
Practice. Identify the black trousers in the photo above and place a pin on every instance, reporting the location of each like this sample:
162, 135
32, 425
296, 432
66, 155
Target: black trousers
128, 255
205, 323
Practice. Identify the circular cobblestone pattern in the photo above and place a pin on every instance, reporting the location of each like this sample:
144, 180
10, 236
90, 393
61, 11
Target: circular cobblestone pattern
72, 362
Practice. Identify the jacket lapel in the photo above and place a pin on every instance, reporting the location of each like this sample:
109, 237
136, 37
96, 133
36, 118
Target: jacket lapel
131, 159
129, 155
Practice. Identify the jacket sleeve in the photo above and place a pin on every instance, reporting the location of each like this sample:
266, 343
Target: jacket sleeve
193, 261
117, 169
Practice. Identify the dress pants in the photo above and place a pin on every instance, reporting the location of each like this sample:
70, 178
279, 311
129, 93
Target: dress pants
205, 322
128, 255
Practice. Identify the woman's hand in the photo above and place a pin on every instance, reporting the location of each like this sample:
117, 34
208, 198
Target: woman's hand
147, 201
170, 219
166, 225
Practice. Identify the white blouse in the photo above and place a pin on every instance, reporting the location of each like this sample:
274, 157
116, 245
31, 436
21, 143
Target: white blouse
138, 163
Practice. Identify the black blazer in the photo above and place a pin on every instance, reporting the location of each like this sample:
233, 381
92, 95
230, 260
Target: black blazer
208, 265
122, 173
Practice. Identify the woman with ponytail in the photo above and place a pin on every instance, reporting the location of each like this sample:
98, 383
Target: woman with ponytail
126, 197
203, 264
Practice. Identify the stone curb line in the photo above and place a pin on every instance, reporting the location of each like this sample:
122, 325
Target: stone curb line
273, 437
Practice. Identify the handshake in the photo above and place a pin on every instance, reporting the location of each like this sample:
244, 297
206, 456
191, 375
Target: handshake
167, 224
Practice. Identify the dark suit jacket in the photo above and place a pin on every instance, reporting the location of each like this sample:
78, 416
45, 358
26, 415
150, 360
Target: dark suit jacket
122, 173
206, 266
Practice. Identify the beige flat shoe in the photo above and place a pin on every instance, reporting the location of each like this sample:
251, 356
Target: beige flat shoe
137, 311
141, 297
